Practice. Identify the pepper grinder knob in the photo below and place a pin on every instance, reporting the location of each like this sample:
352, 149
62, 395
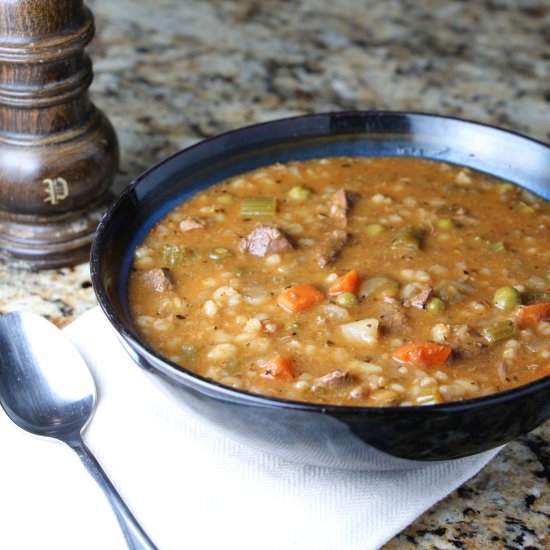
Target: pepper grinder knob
58, 152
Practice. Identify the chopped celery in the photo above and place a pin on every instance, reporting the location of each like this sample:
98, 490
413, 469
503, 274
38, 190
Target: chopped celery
499, 331
408, 237
174, 255
258, 207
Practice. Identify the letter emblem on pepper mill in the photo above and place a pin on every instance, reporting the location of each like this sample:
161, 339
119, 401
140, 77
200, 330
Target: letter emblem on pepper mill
57, 189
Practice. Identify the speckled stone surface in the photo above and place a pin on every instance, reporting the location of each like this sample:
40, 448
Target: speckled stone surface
169, 73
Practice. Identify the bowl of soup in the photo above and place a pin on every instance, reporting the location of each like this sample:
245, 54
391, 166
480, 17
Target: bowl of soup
357, 289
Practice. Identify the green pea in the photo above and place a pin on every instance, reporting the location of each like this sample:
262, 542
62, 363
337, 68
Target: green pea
299, 193
445, 223
226, 199
374, 229
220, 253
506, 297
346, 299
435, 304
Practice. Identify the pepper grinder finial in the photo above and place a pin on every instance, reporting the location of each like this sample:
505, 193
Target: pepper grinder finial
58, 152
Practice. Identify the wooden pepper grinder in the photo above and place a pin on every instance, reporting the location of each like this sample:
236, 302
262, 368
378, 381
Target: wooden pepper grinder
58, 152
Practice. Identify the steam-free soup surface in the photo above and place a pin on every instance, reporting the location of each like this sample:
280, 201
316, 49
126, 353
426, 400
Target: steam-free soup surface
352, 281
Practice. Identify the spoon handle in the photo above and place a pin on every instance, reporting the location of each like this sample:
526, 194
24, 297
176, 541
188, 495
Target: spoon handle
135, 537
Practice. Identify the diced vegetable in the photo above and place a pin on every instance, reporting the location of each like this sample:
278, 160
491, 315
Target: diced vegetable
346, 299
240, 271
189, 353
346, 283
527, 316
445, 223
361, 332
226, 199
232, 366
332, 311
178, 255
435, 304
422, 354
499, 331
496, 246
429, 395
408, 237
220, 253
258, 207
535, 297
506, 297
526, 209
299, 193
279, 368
299, 298
380, 285
375, 229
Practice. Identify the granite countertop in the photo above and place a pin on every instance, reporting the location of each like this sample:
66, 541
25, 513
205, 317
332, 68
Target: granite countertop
168, 74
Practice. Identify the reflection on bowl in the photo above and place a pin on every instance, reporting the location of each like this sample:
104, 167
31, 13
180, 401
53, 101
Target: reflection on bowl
352, 437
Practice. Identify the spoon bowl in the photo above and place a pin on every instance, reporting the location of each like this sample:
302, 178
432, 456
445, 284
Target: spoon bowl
45, 386
47, 389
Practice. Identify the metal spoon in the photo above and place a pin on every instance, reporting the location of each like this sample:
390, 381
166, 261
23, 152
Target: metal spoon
48, 390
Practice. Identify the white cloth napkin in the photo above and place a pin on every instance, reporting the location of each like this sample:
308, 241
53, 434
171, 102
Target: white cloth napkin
190, 486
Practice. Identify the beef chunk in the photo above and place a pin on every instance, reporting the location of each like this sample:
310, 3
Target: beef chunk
335, 378
330, 246
266, 238
188, 224
465, 341
421, 299
393, 316
159, 280
340, 203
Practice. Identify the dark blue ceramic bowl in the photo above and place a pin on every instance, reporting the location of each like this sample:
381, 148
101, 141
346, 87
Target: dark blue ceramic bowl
352, 437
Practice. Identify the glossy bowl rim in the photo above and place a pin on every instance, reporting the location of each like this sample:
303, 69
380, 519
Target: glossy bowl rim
249, 398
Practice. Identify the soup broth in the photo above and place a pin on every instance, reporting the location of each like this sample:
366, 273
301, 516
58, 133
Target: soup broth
352, 281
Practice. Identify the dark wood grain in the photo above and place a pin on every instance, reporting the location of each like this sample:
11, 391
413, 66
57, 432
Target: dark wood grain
58, 152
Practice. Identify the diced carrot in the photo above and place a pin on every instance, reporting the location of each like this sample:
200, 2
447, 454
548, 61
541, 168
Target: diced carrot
300, 297
279, 368
527, 316
346, 283
422, 353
